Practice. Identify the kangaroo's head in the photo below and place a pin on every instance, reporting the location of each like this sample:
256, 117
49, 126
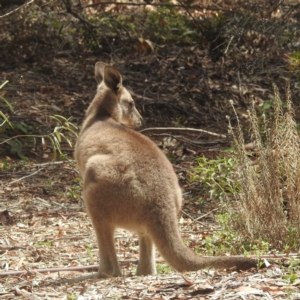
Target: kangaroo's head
113, 100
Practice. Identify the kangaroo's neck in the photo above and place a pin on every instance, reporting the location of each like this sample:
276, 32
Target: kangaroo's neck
102, 108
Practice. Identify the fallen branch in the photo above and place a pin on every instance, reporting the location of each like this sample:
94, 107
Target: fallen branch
50, 270
19, 179
182, 130
89, 268
50, 163
202, 216
188, 141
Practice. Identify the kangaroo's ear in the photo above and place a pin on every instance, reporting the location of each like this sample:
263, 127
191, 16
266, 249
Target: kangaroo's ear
112, 78
99, 71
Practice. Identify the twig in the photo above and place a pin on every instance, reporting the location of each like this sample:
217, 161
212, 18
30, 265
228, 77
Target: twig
184, 130
192, 218
3, 247
21, 136
228, 44
15, 10
48, 163
23, 293
24, 177
202, 216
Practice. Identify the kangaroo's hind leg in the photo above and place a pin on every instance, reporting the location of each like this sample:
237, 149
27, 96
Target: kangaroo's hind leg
146, 265
109, 266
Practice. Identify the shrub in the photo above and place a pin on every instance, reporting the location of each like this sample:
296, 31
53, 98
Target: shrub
268, 199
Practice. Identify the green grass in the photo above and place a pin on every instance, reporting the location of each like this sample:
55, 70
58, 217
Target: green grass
163, 269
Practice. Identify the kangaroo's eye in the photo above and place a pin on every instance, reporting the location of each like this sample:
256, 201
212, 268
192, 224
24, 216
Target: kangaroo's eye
131, 104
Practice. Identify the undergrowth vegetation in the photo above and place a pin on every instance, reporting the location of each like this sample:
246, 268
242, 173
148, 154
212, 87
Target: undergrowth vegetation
267, 204
20, 137
213, 175
65, 26
260, 188
228, 240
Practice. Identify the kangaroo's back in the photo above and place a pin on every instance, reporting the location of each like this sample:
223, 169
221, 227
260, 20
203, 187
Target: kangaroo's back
129, 183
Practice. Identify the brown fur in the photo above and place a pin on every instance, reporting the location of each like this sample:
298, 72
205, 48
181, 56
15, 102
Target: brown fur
129, 183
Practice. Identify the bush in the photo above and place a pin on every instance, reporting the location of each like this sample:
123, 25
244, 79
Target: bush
268, 199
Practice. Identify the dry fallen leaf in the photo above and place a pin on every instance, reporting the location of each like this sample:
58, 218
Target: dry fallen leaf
248, 289
187, 281
145, 46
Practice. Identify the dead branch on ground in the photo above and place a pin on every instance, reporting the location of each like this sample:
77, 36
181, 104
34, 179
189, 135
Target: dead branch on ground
182, 130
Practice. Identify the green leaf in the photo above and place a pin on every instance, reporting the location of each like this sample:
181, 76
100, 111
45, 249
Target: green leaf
7, 103
16, 147
3, 84
5, 120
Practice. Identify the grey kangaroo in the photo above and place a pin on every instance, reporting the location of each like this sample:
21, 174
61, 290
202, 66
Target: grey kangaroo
129, 183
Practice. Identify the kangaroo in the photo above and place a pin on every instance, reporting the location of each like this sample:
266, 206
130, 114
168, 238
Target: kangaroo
129, 183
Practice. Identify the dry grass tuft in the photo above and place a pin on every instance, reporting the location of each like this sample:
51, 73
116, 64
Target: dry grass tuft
269, 192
